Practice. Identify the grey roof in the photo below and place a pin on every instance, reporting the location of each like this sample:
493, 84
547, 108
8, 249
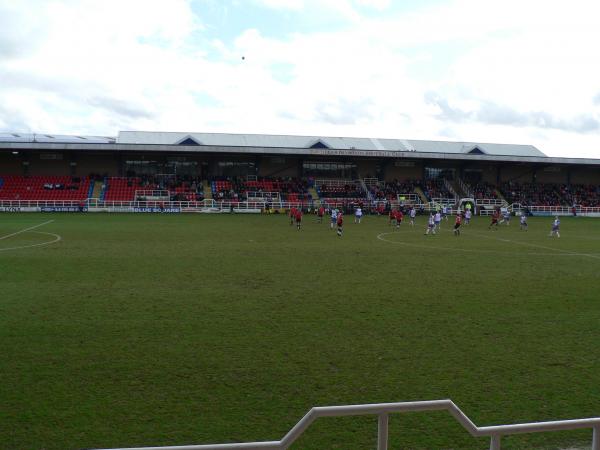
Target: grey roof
338, 143
58, 138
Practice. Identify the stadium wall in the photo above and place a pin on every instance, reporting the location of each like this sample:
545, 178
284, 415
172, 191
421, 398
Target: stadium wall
552, 174
518, 173
585, 175
10, 164
366, 168
97, 163
279, 166
49, 167
393, 171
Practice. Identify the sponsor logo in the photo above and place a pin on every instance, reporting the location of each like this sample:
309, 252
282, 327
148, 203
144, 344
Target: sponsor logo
63, 209
157, 210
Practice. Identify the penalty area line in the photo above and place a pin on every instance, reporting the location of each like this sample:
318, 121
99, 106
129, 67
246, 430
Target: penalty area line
25, 230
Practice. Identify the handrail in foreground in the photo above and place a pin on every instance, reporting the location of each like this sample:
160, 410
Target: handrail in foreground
495, 432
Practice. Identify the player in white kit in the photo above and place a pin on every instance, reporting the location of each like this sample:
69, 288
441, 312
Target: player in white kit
357, 215
437, 219
413, 214
334, 214
430, 224
523, 222
555, 228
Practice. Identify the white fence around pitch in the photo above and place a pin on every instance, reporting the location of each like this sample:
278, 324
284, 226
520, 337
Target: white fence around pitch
382, 410
213, 206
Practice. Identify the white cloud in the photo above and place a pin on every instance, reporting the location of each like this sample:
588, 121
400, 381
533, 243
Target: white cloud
377, 4
514, 74
282, 4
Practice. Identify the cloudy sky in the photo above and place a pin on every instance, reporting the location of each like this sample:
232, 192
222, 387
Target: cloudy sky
511, 71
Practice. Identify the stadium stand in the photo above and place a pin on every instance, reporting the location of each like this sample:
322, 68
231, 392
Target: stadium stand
483, 190
587, 195
290, 189
435, 188
179, 188
15, 187
237, 189
390, 190
340, 191
542, 194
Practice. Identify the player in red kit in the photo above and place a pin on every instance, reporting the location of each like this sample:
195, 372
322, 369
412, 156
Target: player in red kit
320, 214
392, 216
292, 215
340, 224
495, 217
298, 218
399, 218
457, 224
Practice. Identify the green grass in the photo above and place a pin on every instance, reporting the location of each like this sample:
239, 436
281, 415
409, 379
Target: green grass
142, 330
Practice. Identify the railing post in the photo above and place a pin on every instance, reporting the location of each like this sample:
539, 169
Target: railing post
596, 439
382, 435
495, 442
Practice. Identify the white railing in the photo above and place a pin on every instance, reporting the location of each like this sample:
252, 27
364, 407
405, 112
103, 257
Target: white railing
382, 410
450, 188
226, 205
335, 183
465, 187
371, 182
152, 193
444, 201
490, 202
565, 210
263, 196
409, 198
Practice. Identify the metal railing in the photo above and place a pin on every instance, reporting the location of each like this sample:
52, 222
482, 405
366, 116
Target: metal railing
444, 201
450, 188
94, 205
465, 187
490, 202
382, 410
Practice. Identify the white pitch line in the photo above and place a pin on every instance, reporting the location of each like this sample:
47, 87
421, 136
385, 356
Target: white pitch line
56, 239
25, 230
494, 252
567, 252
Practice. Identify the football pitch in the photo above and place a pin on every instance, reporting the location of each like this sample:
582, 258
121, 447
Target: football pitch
147, 330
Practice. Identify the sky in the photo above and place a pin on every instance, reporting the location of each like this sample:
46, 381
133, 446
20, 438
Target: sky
515, 71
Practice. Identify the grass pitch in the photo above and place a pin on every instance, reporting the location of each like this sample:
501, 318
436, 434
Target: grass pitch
143, 330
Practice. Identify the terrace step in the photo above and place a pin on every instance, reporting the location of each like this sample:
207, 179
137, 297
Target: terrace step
315, 196
500, 196
207, 190
421, 195
97, 189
